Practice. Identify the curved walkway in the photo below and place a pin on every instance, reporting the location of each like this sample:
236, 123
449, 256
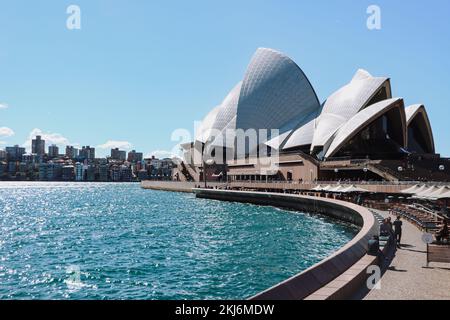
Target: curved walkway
407, 278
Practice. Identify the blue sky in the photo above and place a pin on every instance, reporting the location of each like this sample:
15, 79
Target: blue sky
138, 70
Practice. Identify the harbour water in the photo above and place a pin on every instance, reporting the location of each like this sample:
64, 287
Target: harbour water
118, 241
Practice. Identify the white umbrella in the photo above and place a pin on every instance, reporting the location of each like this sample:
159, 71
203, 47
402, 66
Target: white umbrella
354, 188
317, 188
411, 190
336, 189
421, 189
441, 193
444, 195
425, 194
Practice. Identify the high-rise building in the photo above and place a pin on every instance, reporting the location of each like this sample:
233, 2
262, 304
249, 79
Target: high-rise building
54, 171
103, 172
117, 154
3, 168
71, 152
91, 173
134, 156
53, 151
24, 167
125, 173
15, 153
79, 172
38, 146
143, 175
12, 167
115, 173
68, 173
87, 153
30, 158
3, 155
43, 172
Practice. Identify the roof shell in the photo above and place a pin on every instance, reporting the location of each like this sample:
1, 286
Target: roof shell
360, 121
345, 103
418, 110
274, 92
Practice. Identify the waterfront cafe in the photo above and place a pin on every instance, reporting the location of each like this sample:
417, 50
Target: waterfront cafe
439, 195
339, 192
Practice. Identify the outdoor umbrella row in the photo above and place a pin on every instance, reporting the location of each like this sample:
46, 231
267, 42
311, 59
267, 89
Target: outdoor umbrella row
340, 189
428, 192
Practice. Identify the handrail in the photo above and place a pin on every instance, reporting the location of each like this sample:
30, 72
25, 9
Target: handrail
346, 182
426, 211
373, 183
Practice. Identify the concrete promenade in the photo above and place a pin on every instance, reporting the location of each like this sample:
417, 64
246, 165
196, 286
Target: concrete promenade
407, 278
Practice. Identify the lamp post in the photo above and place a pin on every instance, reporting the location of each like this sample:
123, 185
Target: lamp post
365, 174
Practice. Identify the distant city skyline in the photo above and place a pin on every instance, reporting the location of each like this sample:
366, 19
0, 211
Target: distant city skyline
136, 72
47, 163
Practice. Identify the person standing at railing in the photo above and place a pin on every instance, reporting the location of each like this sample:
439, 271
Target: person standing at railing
386, 230
398, 230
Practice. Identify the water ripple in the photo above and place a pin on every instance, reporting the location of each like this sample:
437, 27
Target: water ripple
117, 241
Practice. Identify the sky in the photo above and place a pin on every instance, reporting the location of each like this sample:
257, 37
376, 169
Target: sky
137, 71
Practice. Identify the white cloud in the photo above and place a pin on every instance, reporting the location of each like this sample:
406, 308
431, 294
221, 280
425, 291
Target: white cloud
111, 144
3, 106
50, 138
161, 154
6, 132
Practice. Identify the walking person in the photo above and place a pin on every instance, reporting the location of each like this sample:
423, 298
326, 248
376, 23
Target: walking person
398, 230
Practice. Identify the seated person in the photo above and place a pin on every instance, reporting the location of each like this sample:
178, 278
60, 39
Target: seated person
443, 233
374, 248
386, 229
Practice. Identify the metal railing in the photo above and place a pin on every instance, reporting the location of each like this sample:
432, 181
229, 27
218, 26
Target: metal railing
322, 183
345, 182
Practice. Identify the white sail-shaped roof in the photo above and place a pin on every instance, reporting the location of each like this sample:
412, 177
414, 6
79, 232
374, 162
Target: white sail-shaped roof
228, 108
274, 92
418, 112
276, 95
411, 111
278, 141
203, 132
361, 120
303, 136
345, 103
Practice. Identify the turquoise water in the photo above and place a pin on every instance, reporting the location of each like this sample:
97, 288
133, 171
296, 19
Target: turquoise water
117, 241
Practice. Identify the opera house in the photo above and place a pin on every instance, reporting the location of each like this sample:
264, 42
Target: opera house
359, 132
